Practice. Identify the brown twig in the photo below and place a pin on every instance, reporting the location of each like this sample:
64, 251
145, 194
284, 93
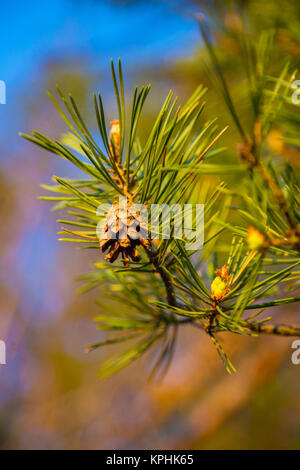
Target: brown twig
164, 277
281, 330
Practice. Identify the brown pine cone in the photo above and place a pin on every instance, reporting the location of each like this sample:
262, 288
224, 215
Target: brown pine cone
123, 233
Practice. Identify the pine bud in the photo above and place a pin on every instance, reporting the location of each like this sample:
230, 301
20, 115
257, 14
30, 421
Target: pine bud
114, 139
220, 285
275, 141
223, 273
218, 288
255, 238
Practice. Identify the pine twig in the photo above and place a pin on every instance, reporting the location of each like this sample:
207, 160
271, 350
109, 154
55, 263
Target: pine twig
281, 330
164, 277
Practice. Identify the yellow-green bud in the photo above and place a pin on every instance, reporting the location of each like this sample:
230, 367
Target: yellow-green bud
255, 239
218, 288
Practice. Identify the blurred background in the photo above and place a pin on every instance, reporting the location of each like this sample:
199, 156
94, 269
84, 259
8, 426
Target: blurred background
50, 397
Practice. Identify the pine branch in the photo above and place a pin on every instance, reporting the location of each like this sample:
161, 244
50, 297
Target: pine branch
163, 170
164, 277
281, 330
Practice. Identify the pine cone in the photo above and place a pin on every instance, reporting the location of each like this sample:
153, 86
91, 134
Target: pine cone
123, 233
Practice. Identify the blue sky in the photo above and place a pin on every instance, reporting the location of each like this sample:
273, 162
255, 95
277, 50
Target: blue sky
140, 32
